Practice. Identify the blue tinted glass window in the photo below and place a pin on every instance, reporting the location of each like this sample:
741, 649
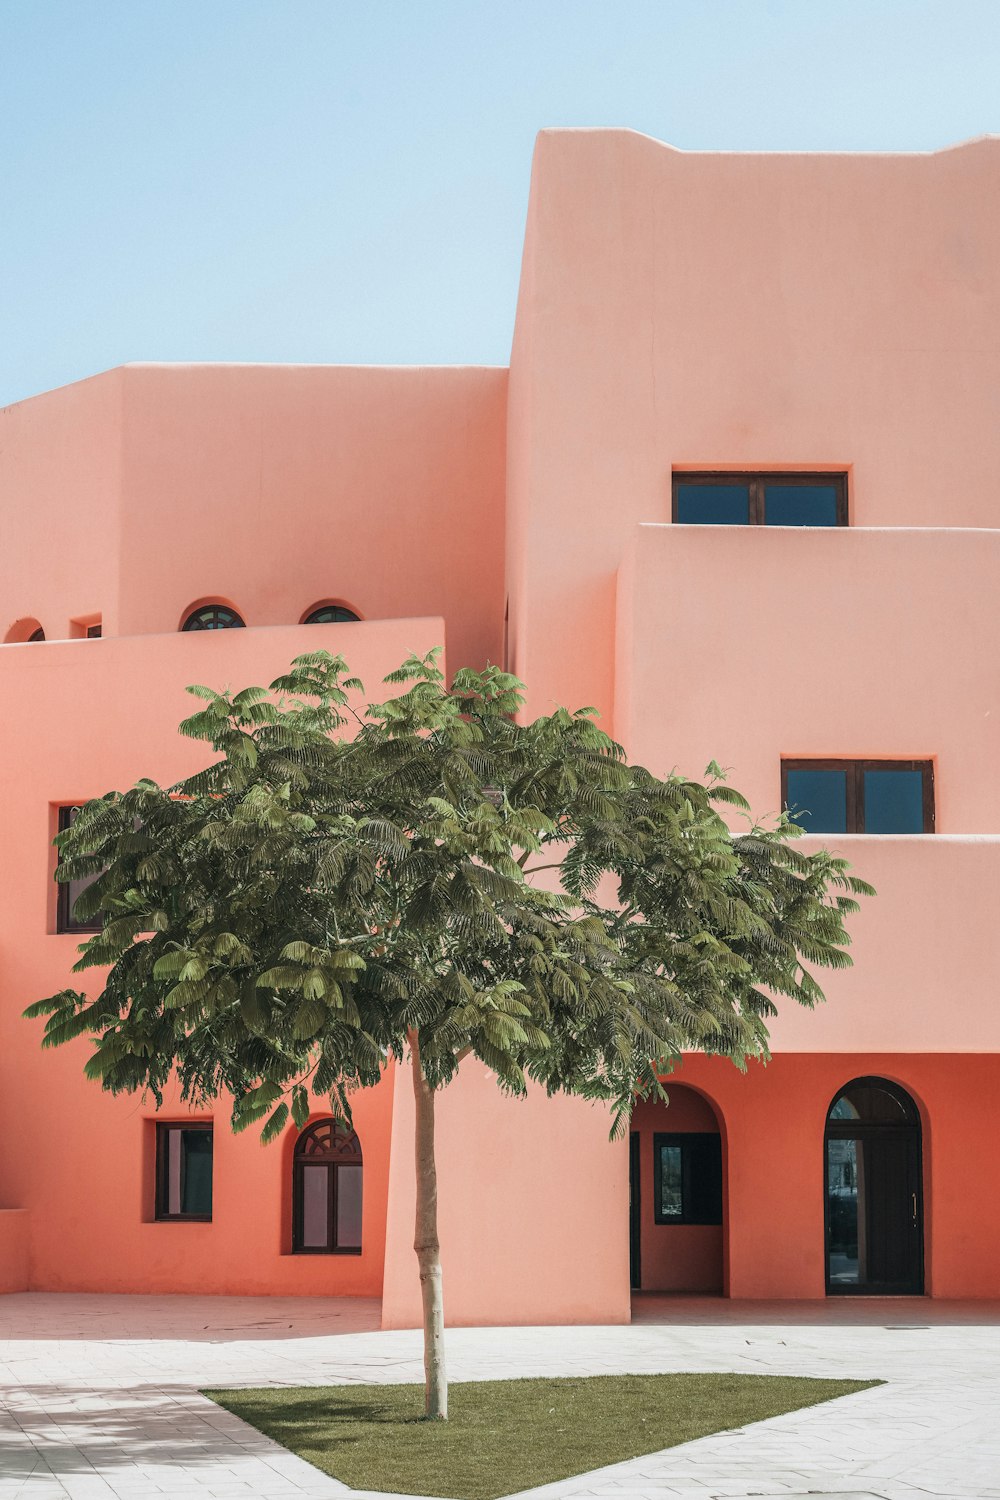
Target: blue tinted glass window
714, 504
818, 800
894, 802
800, 505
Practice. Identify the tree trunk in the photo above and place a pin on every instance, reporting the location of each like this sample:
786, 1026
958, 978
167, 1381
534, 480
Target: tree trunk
427, 1245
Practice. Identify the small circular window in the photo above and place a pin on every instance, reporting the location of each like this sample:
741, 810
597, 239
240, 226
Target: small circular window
213, 617
330, 614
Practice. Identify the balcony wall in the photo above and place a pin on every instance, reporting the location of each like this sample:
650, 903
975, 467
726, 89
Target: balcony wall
746, 644
714, 310
144, 490
91, 715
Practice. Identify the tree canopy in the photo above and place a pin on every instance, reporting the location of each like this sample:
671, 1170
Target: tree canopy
337, 881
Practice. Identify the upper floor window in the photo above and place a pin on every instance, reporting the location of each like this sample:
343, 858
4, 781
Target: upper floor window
37, 635
68, 893
213, 617
183, 1171
859, 796
330, 614
326, 1190
760, 499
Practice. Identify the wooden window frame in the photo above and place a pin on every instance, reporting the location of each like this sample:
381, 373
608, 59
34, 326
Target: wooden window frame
64, 915
160, 1213
757, 483
332, 1165
683, 1139
856, 786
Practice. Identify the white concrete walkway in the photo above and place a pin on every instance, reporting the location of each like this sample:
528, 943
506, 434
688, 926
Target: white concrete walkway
100, 1394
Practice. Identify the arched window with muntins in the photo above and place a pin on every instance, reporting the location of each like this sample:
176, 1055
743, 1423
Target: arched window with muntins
327, 1191
330, 614
213, 617
874, 1101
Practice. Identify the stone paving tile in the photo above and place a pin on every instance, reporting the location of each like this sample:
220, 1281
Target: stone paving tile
101, 1395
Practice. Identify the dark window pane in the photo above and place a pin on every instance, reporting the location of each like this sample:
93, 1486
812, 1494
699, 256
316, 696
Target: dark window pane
197, 1196
348, 1207
894, 802
315, 1207
844, 1177
73, 889
714, 504
800, 505
671, 1199
818, 800
703, 1203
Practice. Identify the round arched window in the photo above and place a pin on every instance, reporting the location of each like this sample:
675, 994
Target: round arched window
37, 635
330, 614
213, 617
326, 1190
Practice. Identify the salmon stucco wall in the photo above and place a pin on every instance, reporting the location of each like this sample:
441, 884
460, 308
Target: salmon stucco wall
60, 522
95, 715
277, 488
716, 310
533, 1208
773, 1118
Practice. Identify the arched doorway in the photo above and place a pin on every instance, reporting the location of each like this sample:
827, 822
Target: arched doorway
873, 1186
676, 1195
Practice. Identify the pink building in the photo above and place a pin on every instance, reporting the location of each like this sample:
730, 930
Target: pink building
738, 489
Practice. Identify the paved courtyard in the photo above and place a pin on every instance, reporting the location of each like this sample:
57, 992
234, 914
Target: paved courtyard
101, 1398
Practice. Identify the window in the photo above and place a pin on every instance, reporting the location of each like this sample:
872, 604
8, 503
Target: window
330, 614
760, 499
213, 617
859, 796
183, 1171
326, 1191
687, 1186
67, 894
94, 632
37, 635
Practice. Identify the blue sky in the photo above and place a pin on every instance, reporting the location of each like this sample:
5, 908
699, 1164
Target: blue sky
345, 181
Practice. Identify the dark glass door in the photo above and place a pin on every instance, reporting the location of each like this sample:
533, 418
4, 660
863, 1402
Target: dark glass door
634, 1215
874, 1229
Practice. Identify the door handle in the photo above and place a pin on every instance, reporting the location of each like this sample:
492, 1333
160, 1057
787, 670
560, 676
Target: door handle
914, 1197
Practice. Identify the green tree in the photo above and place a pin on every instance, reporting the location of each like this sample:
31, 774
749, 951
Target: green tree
429, 879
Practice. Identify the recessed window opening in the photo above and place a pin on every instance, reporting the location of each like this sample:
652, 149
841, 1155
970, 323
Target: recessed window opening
25, 629
859, 796
69, 893
725, 499
327, 1191
213, 617
86, 628
330, 614
183, 1170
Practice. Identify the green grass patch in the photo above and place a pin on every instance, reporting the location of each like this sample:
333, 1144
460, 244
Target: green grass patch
508, 1435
